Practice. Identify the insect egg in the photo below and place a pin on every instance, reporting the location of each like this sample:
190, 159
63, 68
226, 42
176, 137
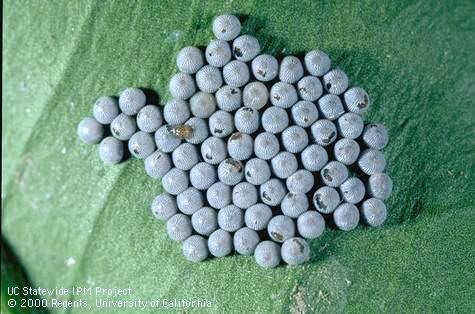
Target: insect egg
182, 131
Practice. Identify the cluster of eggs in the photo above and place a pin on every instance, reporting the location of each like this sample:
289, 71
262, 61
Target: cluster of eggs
255, 155
131, 121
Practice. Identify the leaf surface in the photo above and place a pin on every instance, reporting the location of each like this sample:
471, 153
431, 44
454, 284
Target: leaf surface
75, 222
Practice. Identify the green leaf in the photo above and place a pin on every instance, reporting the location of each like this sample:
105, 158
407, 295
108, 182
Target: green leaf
14, 281
75, 222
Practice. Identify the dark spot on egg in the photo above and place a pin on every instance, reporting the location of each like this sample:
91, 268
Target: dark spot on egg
265, 196
277, 236
326, 174
236, 164
237, 52
329, 138
361, 105
235, 136
319, 201
301, 246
